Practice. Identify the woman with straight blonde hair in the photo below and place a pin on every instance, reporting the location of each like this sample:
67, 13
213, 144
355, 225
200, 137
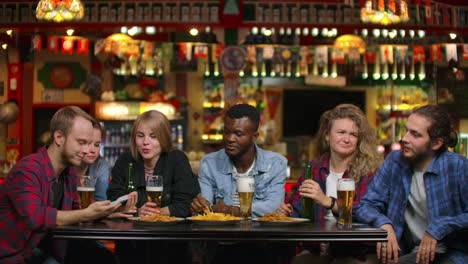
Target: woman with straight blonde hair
151, 154
348, 149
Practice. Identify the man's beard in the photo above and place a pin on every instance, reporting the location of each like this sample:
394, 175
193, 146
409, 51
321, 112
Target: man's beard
417, 158
66, 160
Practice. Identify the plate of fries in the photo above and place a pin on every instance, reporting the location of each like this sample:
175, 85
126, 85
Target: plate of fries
157, 219
275, 219
211, 218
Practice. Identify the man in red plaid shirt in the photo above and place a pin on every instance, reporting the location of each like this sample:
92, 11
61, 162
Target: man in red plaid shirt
40, 192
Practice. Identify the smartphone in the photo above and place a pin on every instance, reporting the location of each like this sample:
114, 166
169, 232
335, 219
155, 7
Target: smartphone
123, 201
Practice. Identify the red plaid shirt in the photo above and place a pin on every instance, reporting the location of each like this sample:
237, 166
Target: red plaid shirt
26, 207
320, 170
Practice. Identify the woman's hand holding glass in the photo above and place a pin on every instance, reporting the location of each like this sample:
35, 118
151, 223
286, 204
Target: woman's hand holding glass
154, 189
149, 208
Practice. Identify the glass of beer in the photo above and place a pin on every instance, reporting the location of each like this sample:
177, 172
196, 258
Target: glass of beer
245, 189
86, 189
345, 189
154, 189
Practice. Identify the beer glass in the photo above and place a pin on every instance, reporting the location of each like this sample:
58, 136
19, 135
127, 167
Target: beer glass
345, 189
154, 189
245, 189
86, 189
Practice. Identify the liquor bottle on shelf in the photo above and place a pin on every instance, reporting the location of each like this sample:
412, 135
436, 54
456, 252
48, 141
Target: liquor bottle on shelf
308, 205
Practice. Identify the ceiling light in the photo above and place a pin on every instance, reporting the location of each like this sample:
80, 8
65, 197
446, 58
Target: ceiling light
4, 46
421, 33
324, 32
376, 32
9, 32
193, 32
132, 31
384, 33
150, 30
364, 32
452, 35
402, 33
315, 32
70, 32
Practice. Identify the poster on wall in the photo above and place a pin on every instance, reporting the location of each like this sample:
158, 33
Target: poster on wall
52, 95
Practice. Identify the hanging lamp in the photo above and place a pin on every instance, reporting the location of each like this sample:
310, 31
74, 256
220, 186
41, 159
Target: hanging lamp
59, 10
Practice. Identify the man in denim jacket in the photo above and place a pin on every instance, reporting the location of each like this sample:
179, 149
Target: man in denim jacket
241, 157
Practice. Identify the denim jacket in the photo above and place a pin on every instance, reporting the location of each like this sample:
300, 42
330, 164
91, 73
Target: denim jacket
218, 183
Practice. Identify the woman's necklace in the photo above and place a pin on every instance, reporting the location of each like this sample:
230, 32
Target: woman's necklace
148, 172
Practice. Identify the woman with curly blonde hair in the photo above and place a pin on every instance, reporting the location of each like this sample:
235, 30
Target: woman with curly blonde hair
365, 158
348, 149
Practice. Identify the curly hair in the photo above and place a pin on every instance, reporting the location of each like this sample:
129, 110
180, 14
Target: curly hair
440, 127
366, 159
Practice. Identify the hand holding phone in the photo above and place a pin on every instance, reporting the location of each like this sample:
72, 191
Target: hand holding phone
123, 201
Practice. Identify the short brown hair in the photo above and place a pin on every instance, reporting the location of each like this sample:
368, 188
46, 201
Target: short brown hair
159, 125
64, 117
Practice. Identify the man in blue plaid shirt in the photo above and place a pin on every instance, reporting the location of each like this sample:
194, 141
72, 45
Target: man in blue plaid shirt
420, 195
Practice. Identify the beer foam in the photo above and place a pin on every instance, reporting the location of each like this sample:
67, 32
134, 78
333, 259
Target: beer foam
154, 188
245, 184
345, 186
85, 189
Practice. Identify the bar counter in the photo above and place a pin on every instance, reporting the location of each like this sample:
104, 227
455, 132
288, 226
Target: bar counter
241, 231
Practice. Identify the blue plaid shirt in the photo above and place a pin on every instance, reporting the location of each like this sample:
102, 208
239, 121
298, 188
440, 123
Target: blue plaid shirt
445, 181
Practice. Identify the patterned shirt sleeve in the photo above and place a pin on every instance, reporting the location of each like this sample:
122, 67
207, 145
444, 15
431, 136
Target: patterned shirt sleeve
373, 204
447, 224
25, 190
361, 190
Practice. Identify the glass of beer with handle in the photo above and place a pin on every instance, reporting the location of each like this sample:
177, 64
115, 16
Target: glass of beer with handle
154, 189
245, 189
345, 190
86, 188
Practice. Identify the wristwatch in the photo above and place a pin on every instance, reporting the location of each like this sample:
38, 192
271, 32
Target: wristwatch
332, 203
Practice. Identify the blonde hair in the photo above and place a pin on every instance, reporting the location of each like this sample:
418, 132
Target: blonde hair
64, 117
366, 158
159, 125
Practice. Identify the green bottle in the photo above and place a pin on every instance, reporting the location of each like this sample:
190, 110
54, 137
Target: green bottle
308, 205
130, 185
